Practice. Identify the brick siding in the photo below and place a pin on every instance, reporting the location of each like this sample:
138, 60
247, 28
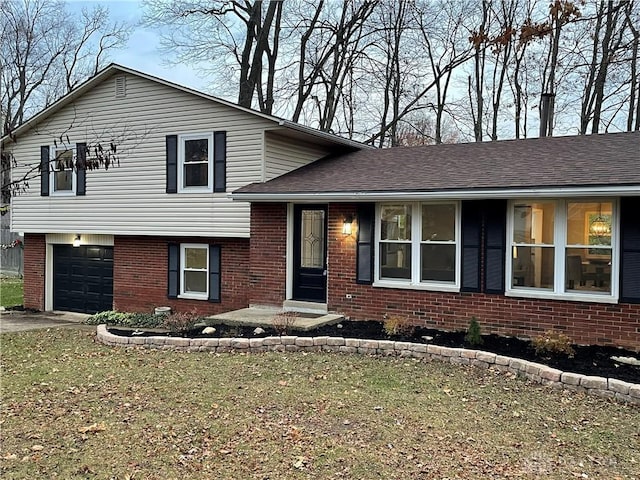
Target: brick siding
35, 252
140, 275
267, 280
584, 323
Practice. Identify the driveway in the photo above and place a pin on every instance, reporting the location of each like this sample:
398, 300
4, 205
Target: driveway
15, 321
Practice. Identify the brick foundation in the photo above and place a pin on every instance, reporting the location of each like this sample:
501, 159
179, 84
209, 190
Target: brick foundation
584, 323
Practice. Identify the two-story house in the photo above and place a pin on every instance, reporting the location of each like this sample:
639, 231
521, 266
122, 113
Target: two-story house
160, 228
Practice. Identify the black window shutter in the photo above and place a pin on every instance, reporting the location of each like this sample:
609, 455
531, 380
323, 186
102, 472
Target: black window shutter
471, 243
630, 250
215, 274
365, 243
219, 161
173, 280
81, 168
495, 218
44, 171
172, 163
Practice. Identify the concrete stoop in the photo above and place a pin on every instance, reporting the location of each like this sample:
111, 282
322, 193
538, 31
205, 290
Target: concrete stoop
263, 317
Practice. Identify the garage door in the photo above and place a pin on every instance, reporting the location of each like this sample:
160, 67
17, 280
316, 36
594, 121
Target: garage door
82, 278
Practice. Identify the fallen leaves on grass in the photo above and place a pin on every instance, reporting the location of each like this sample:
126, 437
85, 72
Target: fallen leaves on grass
93, 428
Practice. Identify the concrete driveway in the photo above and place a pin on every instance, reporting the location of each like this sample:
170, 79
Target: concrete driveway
15, 321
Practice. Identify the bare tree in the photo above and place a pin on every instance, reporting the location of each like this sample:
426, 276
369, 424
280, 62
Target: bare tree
44, 55
239, 36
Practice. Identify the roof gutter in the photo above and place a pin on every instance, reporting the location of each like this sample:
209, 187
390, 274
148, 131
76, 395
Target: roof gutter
602, 191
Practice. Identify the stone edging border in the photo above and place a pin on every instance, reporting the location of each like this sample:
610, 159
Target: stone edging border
600, 386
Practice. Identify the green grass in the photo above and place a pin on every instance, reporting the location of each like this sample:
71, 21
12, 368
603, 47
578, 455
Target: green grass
72, 408
10, 292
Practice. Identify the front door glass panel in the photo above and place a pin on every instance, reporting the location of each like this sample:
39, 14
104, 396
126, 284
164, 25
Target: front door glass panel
312, 239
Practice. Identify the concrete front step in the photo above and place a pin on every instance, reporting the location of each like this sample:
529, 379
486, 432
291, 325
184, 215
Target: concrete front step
263, 317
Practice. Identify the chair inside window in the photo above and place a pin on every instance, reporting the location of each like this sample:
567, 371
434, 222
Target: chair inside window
575, 275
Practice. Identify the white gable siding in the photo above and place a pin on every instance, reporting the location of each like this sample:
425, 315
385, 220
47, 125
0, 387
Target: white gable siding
283, 154
131, 199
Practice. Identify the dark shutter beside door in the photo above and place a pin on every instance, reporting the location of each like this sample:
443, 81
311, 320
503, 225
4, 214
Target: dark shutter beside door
630, 250
215, 277
471, 245
219, 161
495, 216
81, 168
173, 278
44, 171
172, 163
365, 243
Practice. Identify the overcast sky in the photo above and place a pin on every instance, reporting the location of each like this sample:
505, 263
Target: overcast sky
142, 51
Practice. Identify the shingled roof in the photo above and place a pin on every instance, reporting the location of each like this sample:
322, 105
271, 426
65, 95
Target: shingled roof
589, 161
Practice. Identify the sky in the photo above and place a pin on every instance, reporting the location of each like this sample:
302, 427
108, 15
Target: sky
143, 48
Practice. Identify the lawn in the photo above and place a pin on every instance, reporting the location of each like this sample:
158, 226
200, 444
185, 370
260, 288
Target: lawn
73, 408
10, 292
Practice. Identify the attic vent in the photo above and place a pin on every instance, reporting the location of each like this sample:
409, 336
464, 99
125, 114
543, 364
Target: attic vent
121, 87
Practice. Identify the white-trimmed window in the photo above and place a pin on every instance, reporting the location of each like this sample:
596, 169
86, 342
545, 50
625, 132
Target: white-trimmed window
418, 245
563, 248
195, 162
194, 271
62, 177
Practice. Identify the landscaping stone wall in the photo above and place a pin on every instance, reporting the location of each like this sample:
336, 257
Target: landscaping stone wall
604, 387
140, 272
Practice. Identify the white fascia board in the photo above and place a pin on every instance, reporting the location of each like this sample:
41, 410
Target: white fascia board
328, 136
559, 192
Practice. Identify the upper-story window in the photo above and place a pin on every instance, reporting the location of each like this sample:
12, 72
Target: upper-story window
563, 248
63, 175
418, 245
195, 162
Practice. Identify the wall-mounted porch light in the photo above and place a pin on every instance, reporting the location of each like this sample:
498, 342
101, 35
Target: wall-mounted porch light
76, 241
346, 225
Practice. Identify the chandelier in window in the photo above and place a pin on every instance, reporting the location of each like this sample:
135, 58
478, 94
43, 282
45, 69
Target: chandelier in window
600, 225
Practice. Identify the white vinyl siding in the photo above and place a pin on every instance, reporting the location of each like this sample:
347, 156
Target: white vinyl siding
132, 198
283, 154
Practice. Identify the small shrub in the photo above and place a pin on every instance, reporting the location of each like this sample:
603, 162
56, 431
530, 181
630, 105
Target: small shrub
552, 343
396, 326
283, 322
473, 336
180, 322
125, 319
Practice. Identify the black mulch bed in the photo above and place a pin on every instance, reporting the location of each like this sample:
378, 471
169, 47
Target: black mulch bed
588, 360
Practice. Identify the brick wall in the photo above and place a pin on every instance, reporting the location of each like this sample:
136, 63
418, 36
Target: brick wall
267, 279
588, 323
140, 275
35, 251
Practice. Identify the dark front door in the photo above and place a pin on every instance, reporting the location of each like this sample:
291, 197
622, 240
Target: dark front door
82, 278
310, 253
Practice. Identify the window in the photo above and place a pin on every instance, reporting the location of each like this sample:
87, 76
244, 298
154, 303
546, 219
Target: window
63, 176
418, 245
562, 247
195, 156
194, 260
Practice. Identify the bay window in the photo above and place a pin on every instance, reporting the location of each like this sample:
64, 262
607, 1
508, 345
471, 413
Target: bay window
418, 245
562, 248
